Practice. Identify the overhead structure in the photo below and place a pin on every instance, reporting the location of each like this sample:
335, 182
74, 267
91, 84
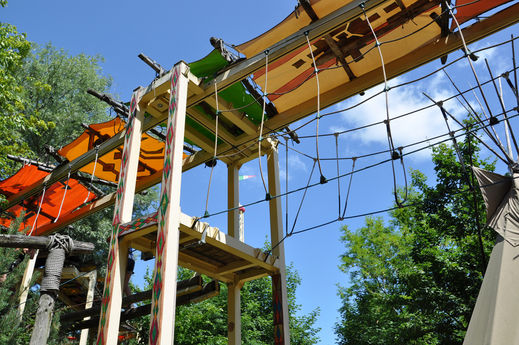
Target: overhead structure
230, 108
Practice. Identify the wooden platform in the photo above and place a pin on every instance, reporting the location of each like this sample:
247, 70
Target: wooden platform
219, 256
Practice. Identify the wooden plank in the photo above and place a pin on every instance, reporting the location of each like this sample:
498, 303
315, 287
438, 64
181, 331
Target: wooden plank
139, 233
202, 267
227, 243
235, 266
252, 274
279, 280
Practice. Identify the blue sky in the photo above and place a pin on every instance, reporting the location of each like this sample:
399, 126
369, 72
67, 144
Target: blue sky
170, 31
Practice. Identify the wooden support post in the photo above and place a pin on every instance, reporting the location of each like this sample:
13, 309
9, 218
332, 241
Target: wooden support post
92, 279
25, 285
233, 200
162, 320
234, 311
279, 281
233, 229
117, 258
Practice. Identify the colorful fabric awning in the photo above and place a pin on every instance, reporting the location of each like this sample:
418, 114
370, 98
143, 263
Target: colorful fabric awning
291, 79
469, 9
76, 196
150, 161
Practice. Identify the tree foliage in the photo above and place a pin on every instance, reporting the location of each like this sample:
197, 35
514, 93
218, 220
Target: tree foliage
206, 322
415, 280
14, 47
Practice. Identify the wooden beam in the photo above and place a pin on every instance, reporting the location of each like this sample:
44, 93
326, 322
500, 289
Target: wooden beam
201, 141
41, 242
252, 274
183, 287
209, 290
200, 266
210, 124
235, 116
234, 266
329, 39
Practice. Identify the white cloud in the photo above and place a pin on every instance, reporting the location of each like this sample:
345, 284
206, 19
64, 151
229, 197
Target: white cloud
422, 125
296, 166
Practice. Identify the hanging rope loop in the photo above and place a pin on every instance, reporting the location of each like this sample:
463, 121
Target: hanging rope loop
353, 162
39, 209
64, 193
400, 203
96, 148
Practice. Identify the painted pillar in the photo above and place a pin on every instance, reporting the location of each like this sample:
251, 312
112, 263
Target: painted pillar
279, 281
112, 294
162, 320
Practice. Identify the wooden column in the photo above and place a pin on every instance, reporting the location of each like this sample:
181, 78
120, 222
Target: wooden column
234, 312
92, 279
279, 281
233, 200
25, 285
162, 320
233, 229
117, 257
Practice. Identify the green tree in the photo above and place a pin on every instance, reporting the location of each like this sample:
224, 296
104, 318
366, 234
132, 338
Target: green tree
14, 47
416, 279
55, 85
206, 322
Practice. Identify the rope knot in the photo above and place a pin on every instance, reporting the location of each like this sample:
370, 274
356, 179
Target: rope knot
64, 242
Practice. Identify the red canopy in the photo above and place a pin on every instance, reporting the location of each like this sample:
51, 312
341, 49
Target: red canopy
25, 177
469, 9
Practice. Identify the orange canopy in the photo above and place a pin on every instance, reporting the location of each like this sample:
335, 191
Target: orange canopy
151, 157
25, 177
